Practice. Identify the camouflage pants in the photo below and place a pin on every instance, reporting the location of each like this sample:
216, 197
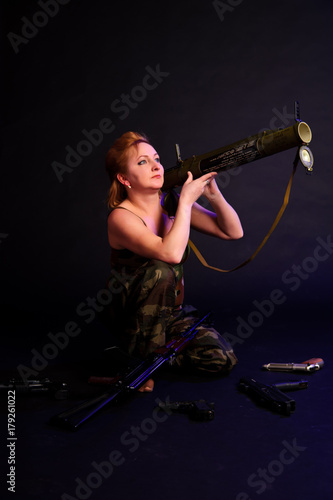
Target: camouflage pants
149, 319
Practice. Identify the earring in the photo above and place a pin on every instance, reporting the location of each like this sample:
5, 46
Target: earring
129, 186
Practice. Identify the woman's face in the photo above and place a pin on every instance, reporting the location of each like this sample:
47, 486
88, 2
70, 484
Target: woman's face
144, 169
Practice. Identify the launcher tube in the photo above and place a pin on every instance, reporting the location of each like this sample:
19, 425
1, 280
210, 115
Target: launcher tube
252, 148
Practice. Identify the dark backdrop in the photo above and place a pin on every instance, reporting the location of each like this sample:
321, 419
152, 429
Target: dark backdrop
199, 73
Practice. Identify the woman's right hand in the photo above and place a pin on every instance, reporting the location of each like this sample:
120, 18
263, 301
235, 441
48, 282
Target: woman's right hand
193, 189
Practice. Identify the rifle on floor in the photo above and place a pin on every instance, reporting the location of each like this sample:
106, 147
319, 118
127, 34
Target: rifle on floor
73, 418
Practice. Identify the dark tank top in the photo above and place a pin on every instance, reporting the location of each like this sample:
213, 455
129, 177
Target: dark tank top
126, 259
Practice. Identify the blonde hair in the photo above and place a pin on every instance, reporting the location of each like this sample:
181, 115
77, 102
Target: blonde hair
116, 163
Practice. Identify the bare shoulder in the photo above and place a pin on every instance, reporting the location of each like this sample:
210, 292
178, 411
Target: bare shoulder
121, 214
123, 227
116, 215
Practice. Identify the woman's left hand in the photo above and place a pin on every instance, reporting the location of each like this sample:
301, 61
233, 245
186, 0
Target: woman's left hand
211, 190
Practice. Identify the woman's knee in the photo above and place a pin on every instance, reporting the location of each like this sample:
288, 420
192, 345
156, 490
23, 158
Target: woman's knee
216, 361
211, 353
222, 361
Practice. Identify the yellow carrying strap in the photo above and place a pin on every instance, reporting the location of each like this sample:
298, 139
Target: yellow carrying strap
275, 223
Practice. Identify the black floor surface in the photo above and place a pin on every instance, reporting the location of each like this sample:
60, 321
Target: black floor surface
130, 451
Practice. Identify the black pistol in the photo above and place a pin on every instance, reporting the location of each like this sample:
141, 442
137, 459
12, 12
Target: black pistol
270, 396
196, 410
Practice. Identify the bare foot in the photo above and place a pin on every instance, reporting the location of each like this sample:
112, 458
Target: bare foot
147, 386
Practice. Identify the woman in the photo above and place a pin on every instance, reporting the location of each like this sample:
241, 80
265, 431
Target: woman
149, 236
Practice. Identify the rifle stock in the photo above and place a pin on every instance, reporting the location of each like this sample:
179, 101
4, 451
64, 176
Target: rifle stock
247, 150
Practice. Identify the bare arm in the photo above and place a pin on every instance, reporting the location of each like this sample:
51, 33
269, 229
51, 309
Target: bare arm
224, 223
127, 231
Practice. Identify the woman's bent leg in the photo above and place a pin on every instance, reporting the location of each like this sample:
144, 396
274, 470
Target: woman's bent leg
208, 352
